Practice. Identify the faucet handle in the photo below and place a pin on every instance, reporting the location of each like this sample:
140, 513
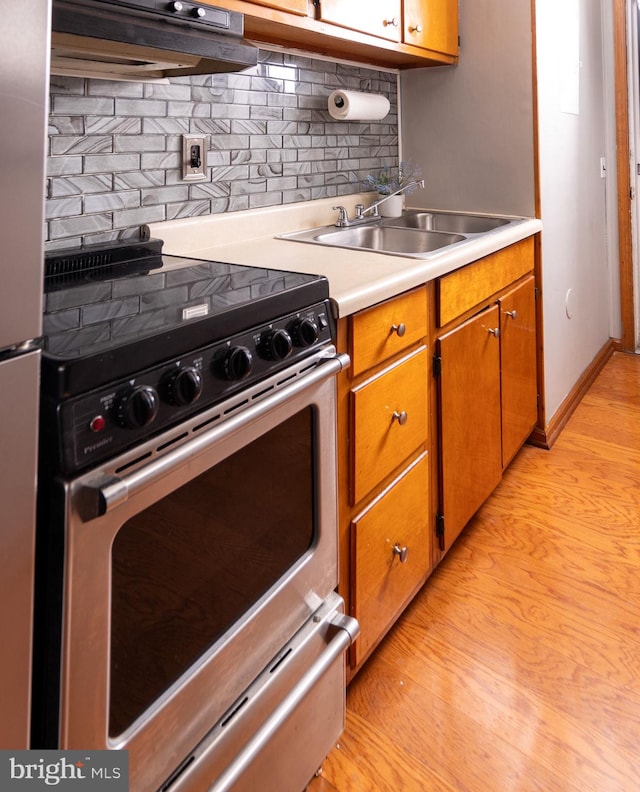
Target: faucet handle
359, 211
343, 217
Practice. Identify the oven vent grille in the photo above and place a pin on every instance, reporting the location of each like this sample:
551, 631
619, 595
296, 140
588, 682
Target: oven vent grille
67, 271
67, 267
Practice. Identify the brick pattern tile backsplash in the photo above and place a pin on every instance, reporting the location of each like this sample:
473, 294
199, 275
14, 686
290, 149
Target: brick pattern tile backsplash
115, 148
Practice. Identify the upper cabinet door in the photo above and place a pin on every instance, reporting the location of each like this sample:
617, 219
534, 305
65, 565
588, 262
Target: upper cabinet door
432, 24
293, 6
377, 17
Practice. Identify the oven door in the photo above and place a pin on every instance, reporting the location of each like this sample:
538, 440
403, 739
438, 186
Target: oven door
190, 562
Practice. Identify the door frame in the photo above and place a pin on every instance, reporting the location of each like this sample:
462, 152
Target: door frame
625, 233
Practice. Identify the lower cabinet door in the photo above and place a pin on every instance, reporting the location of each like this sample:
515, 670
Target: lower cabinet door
518, 364
470, 424
391, 554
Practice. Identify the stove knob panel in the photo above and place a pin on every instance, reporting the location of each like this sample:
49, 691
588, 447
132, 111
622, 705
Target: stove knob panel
237, 363
304, 332
185, 386
138, 407
276, 344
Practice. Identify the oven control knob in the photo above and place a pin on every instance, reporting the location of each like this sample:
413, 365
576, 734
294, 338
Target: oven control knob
138, 407
276, 344
304, 333
185, 386
237, 363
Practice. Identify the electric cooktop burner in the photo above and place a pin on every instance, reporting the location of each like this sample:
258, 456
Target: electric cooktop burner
112, 310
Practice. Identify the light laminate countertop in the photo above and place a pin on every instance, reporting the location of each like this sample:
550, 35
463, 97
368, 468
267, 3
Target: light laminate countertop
357, 279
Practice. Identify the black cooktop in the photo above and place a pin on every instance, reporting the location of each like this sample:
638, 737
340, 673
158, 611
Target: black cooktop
112, 310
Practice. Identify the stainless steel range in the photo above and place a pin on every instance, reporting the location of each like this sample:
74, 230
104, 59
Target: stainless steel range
187, 527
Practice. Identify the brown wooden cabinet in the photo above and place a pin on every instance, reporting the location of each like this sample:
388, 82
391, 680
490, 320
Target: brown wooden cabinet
469, 410
378, 17
293, 6
518, 366
387, 33
431, 24
388, 420
486, 379
384, 463
390, 554
408, 451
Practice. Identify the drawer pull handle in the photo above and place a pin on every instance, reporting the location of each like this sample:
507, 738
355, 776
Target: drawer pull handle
494, 331
401, 552
415, 28
400, 417
391, 22
512, 314
400, 329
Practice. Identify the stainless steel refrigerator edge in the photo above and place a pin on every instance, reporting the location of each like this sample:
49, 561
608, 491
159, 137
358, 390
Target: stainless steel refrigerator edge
24, 87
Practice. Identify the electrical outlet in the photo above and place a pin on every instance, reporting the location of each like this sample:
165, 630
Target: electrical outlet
194, 158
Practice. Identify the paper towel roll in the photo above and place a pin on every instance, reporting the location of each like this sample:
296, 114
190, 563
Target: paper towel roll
357, 106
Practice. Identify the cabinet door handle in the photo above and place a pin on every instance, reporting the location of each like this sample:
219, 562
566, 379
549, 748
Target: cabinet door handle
400, 417
400, 329
513, 314
494, 331
393, 22
415, 28
401, 551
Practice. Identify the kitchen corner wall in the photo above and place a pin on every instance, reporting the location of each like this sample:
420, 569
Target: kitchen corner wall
470, 128
115, 148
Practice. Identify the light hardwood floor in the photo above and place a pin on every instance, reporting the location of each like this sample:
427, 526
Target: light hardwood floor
517, 667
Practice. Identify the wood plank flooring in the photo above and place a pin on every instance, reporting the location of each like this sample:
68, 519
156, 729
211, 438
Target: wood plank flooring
517, 667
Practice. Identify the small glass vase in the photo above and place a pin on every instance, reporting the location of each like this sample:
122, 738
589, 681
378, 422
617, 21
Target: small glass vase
392, 207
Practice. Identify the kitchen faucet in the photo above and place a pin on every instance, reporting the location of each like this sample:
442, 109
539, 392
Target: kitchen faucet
343, 216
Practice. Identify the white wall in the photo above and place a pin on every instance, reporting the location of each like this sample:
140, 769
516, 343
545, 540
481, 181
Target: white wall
574, 247
471, 129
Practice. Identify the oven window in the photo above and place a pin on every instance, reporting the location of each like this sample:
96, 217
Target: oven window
185, 569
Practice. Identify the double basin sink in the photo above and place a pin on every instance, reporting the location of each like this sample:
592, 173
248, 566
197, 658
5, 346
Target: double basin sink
416, 234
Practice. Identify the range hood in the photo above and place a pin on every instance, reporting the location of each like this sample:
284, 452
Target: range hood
146, 39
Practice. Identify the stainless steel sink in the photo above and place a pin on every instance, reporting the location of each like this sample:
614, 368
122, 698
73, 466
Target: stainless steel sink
449, 222
388, 239
416, 234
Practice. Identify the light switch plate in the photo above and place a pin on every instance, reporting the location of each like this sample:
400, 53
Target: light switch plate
194, 158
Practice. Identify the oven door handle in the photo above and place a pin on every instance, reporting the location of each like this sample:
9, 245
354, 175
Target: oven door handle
105, 494
345, 630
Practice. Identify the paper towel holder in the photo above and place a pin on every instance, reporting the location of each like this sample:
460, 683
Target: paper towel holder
346, 105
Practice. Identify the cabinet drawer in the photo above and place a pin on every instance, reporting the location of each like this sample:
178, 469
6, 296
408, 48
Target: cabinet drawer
386, 329
468, 286
389, 421
382, 583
